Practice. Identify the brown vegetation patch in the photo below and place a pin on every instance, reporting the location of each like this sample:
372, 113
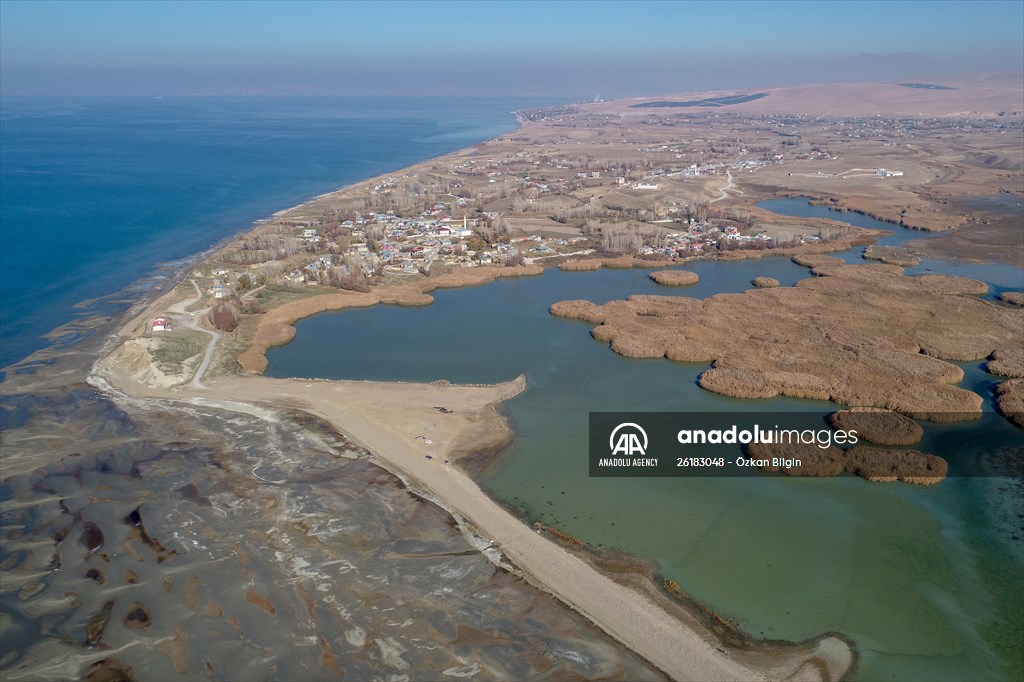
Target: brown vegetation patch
224, 316
949, 284
674, 278
881, 427
765, 282
861, 335
619, 262
814, 461
891, 254
984, 238
92, 537
807, 249
469, 277
405, 297
578, 310
1012, 297
580, 265
1010, 400
811, 260
908, 466
872, 464
624, 262
1007, 362
889, 207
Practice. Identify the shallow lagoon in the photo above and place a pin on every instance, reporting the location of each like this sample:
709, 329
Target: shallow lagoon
917, 576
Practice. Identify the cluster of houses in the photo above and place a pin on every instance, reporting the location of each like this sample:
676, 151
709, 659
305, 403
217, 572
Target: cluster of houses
700, 238
383, 185
409, 244
221, 286
386, 242
393, 243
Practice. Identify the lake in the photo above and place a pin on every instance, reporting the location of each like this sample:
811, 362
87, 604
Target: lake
926, 580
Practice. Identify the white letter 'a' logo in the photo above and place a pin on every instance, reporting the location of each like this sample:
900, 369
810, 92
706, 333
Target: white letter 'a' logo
629, 441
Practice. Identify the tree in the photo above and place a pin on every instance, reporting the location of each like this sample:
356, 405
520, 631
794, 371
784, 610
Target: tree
224, 316
700, 209
477, 244
517, 258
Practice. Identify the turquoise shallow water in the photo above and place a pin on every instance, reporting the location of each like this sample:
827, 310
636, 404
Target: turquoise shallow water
927, 581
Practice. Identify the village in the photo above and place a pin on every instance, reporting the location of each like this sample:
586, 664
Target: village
653, 186
384, 243
435, 242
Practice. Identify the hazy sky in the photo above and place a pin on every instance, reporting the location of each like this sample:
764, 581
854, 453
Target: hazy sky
491, 48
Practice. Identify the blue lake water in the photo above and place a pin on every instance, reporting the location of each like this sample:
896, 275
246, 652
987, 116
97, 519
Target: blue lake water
1000, 276
915, 575
96, 193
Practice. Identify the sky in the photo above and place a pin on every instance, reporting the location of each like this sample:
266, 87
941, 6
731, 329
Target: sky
564, 49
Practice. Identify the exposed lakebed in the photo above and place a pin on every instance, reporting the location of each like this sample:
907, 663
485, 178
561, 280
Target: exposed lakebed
195, 541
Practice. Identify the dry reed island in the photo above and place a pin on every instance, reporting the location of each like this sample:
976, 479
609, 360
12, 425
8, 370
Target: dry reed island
643, 183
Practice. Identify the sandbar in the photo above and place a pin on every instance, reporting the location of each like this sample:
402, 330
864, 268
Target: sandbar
386, 419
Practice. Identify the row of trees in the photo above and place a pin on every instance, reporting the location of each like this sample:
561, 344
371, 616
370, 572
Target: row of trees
268, 246
626, 238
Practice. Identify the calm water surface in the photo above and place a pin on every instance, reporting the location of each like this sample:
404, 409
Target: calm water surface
96, 193
927, 581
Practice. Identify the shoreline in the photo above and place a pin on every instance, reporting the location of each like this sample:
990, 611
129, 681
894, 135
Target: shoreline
117, 323
225, 387
385, 418
276, 327
391, 420
279, 329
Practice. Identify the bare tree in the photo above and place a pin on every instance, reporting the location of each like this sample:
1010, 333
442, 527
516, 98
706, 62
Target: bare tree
515, 259
224, 316
699, 209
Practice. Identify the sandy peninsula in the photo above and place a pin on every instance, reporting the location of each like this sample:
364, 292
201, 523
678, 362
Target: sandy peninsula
595, 186
419, 431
